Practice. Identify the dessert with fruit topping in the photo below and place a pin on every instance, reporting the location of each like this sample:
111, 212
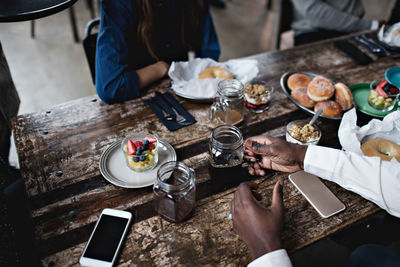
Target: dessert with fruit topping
140, 151
383, 95
258, 97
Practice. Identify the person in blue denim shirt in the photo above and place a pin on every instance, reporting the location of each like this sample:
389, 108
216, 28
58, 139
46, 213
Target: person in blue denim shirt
138, 39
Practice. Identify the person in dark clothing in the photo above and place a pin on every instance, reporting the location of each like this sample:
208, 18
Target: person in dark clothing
138, 40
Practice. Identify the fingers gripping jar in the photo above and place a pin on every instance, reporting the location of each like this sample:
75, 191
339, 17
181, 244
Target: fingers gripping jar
175, 191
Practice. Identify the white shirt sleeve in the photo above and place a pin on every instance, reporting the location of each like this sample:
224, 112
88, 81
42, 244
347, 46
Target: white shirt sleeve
370, 177
276, 258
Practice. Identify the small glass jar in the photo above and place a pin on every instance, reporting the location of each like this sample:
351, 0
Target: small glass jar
258, 96
229, 102
226, 147
175, 191
144, 156
378, 101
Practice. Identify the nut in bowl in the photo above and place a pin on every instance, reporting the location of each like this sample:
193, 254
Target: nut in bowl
258, 96
140, 151
383, 96
301, 132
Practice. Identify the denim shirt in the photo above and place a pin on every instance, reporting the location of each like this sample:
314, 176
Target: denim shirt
120, 53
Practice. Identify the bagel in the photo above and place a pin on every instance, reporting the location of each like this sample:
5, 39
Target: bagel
215, 73
298, 80
343, 96
382, 148
300, 95
320, 89
329, 108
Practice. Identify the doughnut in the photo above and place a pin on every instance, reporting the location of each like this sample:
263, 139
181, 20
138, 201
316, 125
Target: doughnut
300, 95
215, 73
343, 96
320, 89
329, 108
382, 148
298, 80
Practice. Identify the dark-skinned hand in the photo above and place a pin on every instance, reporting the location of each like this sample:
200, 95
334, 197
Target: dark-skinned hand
258, 226
273, 153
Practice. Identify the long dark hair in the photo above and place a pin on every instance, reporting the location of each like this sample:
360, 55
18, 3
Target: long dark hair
191, 21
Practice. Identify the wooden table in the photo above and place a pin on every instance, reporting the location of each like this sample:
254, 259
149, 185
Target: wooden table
59, 151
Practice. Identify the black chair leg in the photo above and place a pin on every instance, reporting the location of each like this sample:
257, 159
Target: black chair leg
32, 28
73, 24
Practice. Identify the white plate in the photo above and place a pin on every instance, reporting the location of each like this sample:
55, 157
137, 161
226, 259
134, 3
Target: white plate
114, 169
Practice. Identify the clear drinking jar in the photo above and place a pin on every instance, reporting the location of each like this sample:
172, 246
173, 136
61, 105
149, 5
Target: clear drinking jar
226, 147
175, 191
228, 102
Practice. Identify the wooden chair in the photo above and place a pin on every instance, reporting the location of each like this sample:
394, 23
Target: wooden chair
89, 45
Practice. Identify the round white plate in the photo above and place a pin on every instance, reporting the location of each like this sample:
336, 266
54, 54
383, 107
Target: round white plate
114, 169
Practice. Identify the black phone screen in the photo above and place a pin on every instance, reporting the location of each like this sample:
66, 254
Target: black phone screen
106, 238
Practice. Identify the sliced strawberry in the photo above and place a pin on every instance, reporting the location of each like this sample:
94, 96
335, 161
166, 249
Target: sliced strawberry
131, 148
151, 140
138, 144
380, 90
151, 146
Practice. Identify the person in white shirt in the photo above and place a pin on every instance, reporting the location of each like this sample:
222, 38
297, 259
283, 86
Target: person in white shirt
260, 227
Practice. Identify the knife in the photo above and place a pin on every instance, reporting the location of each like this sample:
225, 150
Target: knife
390, 51
164, 100
167, 115
372, 47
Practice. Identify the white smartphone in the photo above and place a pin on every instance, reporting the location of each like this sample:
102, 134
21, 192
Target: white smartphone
317, 194
106, 239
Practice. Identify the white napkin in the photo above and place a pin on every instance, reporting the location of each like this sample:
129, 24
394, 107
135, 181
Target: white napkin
185, 82
388, 35
351, 136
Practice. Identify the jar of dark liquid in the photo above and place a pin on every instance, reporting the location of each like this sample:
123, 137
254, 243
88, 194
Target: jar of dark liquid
226, 150
175, 191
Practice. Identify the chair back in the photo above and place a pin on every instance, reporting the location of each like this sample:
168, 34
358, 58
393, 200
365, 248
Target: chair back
89, 45
285, 19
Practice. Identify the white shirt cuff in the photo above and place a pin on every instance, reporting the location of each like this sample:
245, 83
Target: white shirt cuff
276, 258
374, 25
321, 161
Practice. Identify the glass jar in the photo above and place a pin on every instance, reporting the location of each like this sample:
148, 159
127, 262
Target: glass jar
175, 191
226, 147
228, 102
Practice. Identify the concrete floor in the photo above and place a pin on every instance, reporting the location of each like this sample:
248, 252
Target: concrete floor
52, 69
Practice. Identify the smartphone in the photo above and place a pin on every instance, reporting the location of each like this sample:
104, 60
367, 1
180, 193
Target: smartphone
106, 239
317, 194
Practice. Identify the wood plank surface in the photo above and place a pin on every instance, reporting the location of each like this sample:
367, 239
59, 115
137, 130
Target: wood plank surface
59, 151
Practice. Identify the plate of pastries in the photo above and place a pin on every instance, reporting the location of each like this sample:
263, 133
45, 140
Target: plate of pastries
311, 92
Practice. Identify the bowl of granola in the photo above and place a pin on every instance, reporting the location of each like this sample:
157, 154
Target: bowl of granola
301, 132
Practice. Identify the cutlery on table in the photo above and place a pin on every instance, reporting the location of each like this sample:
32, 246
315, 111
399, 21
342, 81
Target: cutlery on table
179, 118
167, 116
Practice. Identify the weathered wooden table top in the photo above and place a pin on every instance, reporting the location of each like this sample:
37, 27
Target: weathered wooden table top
59, 151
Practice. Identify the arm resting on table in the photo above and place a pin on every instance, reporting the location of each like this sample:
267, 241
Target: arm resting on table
370, 177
